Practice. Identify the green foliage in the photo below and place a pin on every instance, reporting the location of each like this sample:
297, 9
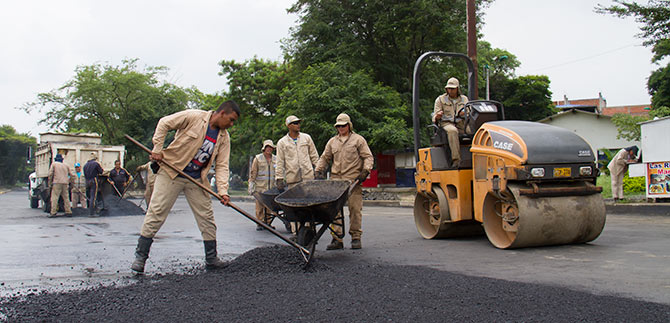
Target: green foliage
14, 149
627, 126
654, 18
381, 36
633, 184
526, 97
325, 90
113, 101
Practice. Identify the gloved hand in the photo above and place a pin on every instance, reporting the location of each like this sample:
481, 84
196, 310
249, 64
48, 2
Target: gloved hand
155, 167
320, 175
363, 175
252, 188
281, 185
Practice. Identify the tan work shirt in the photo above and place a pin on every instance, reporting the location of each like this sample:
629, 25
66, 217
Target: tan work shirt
296, 160
448, 106
262, 173
619, 162
60, 173
349, 156
191, 126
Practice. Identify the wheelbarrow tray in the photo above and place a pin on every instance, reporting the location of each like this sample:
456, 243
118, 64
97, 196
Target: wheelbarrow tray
319, 201
267, 198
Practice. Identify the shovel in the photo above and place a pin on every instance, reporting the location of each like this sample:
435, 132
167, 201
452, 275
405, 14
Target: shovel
303, 252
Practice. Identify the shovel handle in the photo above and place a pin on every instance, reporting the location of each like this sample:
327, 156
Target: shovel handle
302, 249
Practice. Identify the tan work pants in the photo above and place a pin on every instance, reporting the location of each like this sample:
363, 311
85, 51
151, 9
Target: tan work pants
147, 193
617, 185
60, 190
355, 215
261, 213
452, 138
165, 194
78, 198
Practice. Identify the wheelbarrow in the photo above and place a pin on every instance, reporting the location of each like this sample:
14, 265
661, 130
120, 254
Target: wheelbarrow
315, 203
267, 199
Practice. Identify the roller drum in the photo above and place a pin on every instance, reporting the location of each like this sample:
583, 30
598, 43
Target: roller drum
544, 221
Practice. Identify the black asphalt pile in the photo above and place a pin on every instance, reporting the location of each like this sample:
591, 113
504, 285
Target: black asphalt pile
269, 285
113, 207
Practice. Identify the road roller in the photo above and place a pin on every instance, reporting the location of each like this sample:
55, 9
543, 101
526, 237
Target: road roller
521, 183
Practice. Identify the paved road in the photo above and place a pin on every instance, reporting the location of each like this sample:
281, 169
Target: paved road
631, 258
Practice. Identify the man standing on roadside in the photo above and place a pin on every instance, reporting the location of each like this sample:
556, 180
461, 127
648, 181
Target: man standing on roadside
296, 158
119, 177
78, 195
60, 176
92, 170
351, 160
262, 178
201, 141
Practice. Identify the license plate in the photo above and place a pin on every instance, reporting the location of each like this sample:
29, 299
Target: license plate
562, 172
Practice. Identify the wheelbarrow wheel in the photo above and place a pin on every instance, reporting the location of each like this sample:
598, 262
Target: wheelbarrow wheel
305, 235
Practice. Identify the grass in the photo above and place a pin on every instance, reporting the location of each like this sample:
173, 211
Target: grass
606, 183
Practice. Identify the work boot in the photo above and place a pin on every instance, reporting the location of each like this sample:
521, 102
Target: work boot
334, 245
455, 162
259, 228
211, 259
356, 244
141, 254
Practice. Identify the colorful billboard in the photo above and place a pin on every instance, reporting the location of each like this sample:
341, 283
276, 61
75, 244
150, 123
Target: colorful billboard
658, 179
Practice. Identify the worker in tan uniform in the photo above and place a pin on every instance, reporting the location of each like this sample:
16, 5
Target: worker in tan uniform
262, 178
296, 159
59, 178
618, 167
351, 159
149, 180
78, 195
444, 115
201, 141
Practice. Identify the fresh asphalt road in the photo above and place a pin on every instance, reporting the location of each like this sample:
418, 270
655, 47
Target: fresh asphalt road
631, 258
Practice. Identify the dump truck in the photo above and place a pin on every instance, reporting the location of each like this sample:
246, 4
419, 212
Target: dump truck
521, 183
75, 148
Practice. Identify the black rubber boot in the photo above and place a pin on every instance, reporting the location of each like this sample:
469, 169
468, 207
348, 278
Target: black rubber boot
211, 259
141, 254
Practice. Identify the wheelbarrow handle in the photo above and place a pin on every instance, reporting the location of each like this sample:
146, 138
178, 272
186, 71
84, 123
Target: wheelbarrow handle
304, 252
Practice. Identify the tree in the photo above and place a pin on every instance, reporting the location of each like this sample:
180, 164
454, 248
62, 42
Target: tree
655, 30
325, 90
14, 148
628, 126
381, 36
256, 86
113, 101
526, 97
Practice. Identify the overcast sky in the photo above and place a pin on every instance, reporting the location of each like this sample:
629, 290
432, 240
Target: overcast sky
583, 53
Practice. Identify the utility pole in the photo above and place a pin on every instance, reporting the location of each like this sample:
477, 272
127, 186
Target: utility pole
471, 22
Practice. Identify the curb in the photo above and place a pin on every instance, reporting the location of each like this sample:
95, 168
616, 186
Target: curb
639, 208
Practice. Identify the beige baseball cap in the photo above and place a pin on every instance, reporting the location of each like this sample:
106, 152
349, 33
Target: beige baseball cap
291, 119
342, 120
452, 83
267, 143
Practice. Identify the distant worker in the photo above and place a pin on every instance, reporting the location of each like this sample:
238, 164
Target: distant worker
60, 176
119, 177
262, 178
618, 167
446, 107
92, 170
351, 160
149, 180
296, 158
78, 195
201, 141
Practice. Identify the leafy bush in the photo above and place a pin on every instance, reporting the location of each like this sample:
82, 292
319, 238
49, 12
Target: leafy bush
634, 184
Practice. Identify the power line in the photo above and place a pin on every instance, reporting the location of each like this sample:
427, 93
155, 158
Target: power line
585, 58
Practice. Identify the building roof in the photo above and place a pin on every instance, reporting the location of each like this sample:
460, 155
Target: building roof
571, 112
655, 120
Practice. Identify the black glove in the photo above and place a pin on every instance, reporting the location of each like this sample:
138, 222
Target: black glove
281, 185
363, 175
155, 167
320, 175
